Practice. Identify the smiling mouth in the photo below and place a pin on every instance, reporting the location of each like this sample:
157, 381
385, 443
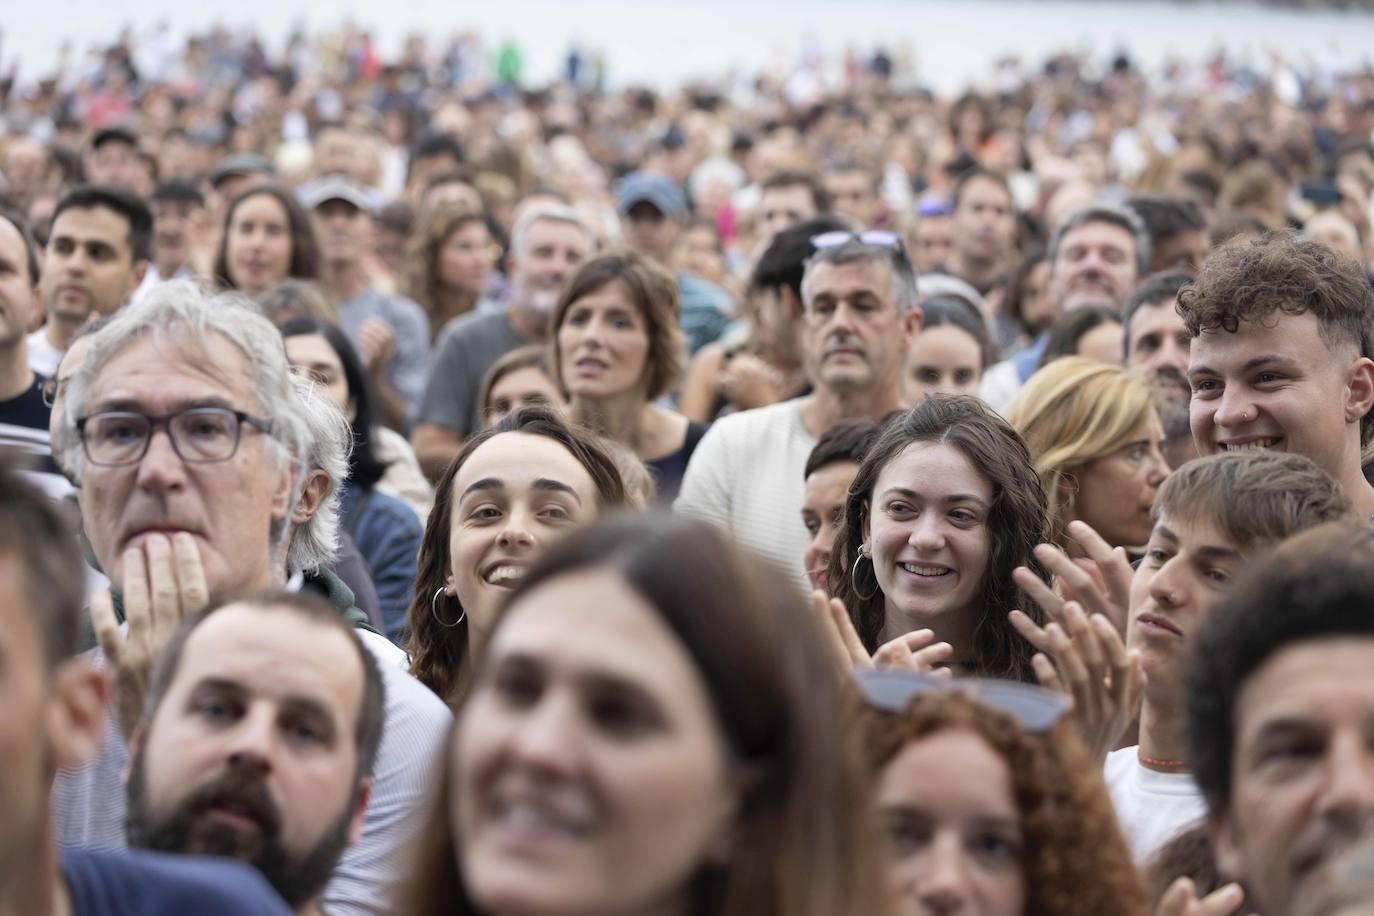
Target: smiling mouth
926, 572
1254, 445
504, 575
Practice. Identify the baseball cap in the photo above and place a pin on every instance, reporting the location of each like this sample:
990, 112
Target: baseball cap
338, 187
240, 164
644, 187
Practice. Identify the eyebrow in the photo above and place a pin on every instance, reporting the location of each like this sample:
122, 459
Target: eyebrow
542, 483
133, 405
1251, 364
951, 498
1163, 531
1217, 552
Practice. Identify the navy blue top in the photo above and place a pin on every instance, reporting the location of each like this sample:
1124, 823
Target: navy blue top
130, 883
668, 470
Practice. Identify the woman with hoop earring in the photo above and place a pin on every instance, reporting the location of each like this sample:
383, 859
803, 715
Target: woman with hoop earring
945, 505
513, 490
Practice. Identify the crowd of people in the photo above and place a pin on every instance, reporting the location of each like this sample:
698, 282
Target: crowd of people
801, 495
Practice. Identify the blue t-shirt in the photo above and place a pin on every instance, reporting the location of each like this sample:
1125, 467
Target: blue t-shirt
130, 883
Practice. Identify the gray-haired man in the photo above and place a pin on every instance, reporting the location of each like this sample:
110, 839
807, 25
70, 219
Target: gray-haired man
183, 430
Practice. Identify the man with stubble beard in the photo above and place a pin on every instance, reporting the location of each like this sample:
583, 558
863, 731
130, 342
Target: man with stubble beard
257, 742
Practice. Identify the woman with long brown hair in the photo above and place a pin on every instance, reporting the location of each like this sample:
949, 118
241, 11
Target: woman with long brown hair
989, 804
656, 728
945, 506
512, 490
448, 259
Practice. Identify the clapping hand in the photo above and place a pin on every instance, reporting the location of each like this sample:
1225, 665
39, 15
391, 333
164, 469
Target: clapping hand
915, 651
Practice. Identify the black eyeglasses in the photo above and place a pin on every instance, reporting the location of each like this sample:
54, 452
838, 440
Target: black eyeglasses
878, 238
1034, 708
199, 434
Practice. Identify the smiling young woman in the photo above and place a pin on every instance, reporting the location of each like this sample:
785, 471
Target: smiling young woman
617, 755
512, 491
944, 507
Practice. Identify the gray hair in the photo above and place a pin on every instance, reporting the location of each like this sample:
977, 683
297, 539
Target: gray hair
315, 542
715, 169
1106, 212
556, 213
854, 252
186, 310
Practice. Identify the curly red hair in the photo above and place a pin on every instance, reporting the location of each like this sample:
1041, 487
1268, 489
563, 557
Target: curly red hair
1075, 862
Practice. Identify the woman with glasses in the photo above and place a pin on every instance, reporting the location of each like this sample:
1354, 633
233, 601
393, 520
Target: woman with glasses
946, 505
512, 491
618, 755
988, 804
616, 350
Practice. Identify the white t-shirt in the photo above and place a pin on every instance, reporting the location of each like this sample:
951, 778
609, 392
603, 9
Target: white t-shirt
746, 475
1152, 807
44, 358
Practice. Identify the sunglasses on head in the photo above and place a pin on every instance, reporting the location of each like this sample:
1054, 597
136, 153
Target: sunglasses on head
1034, 708
878, 238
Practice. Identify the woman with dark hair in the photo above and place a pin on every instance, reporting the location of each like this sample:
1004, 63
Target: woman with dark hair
660, 767
616, 348
830, 469
1093, 332
944, 507
267, 238
952, 351
385, 528
1022, 308
512, 490
518, 379
989, 804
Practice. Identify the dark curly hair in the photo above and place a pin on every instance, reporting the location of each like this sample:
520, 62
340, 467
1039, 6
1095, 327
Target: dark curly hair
1075, 861
437, 654
1278, 274
1318, 585
1016, 524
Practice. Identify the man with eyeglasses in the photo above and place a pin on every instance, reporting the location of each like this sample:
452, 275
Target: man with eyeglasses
859, 316
192, 452
24, 411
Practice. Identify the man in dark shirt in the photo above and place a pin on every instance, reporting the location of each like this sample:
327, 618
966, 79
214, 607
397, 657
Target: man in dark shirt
54, 704
23, 414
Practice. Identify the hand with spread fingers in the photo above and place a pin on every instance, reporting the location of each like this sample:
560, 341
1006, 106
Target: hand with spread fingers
914, 651
1181, 900
1084, 658
164, 583
1108, 592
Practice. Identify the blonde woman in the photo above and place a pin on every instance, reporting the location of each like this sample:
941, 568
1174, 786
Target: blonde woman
1094, 436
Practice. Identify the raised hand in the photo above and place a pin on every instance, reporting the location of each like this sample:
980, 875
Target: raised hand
376, 343
1181, 900
1107, 593
164, 583
1084, 658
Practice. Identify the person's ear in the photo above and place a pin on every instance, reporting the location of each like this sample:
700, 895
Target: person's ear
77, 709
911, 325
312, 494
1230, 858
724, 842
136, 278
791, 303
1359, 399
355, 822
